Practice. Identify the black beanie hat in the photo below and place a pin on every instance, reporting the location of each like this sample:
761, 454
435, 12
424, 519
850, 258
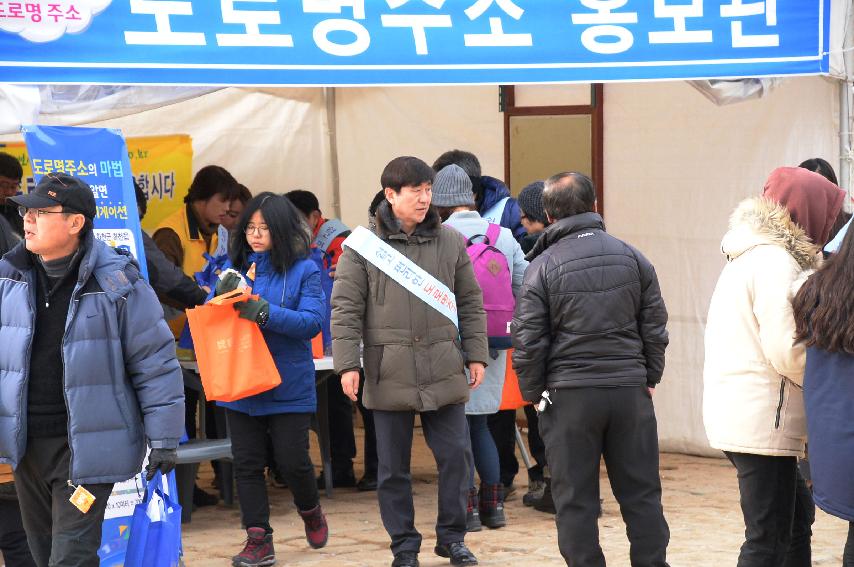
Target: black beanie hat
531, 202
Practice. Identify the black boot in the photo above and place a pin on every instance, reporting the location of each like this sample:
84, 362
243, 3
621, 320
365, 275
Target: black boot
546, 503
472, 513
492, 506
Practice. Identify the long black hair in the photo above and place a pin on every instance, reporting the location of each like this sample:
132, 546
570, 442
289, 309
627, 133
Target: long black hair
824, 311
288, 232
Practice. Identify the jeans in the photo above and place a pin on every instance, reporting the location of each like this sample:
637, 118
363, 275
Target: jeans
778, 511
484, 451
580, 428
289, 434
445, 433
59, 534
13, 539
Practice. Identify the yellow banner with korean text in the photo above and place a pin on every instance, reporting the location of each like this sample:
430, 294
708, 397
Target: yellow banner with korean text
162, 165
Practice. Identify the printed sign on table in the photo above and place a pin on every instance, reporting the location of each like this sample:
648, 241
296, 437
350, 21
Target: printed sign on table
99, 157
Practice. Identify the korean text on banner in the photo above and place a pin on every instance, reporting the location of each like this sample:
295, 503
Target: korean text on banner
359, 42
99, 157
163, 167
404, 271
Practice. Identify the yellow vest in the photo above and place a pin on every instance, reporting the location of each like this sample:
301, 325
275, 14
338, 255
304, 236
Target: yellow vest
184, 224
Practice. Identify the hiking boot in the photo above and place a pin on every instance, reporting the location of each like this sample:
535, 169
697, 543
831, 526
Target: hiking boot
472, 513
546, 503
316, 529
492, 506
509, 491
457, 552
405, 559
535, 492
258, 551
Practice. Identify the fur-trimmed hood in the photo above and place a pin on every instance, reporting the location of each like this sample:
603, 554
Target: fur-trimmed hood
758, 221
388, 226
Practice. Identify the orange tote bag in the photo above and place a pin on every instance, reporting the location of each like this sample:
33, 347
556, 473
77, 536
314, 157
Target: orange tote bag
511, 395
234, 361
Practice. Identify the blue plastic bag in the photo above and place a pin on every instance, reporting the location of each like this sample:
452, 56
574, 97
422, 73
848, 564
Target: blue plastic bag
155, 530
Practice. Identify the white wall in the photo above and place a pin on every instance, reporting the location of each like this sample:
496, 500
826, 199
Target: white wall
675, 167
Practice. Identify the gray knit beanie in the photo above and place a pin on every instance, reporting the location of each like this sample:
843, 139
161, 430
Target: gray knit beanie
452, 188
530, 200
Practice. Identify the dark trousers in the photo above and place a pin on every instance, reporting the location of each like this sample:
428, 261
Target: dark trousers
778, 511
535, 444
446, 433
59, 534
13, 539
289, 434
502, 425
581, 427
341, 436
848, 554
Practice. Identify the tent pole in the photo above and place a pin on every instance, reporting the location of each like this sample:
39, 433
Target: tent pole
846, 152
332, 140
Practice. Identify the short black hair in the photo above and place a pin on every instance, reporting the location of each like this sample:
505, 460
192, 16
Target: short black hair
288, 232
466, 160
406, 171
375, 202
821, 167
567, 194
305, 201
10, 167
141, 199
212, 180
244, 195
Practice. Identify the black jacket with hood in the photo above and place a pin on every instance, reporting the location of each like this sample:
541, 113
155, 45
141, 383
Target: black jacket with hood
590, 312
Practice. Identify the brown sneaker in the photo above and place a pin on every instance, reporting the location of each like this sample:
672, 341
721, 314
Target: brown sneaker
316, 529
258, 551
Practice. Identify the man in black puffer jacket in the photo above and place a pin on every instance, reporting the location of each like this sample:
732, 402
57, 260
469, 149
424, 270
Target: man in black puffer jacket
590, 328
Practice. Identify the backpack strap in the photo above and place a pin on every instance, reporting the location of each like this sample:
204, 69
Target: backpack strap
492, 233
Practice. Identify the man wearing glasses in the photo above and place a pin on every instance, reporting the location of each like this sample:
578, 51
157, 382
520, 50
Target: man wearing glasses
88, 372
11, 173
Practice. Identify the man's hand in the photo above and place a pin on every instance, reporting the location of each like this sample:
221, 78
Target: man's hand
350, 384
476, 371
162, 460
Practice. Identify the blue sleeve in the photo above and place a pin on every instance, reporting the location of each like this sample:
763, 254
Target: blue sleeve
512, 218
148, 347
305, 321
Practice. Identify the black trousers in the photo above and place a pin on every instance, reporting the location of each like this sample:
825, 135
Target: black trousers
59, 534
581, 427
13, 539
446, 433
289, 434
341, 436
535, 444
778, 511
502, 425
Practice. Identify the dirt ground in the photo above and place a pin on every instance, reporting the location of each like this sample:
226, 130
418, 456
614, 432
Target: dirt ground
700, 503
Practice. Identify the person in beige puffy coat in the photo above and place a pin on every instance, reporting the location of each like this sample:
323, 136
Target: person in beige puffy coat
414, 358
753, 406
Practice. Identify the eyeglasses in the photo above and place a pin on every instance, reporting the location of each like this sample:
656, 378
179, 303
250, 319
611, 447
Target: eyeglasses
261, 229
24, 211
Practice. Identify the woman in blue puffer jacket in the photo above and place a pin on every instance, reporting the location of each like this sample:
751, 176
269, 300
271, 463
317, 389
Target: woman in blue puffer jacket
824, 318
270, 248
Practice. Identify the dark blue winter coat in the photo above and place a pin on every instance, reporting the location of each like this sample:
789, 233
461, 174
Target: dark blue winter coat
122, 382
829, 403
493, 191
296, 314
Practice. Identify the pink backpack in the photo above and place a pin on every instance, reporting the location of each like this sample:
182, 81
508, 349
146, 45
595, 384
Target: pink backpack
496, 282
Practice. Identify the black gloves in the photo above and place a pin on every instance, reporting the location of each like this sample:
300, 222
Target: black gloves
227, 284
256, 310
162, 460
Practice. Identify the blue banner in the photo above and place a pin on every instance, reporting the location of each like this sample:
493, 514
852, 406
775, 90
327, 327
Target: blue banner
373, 42
99, 157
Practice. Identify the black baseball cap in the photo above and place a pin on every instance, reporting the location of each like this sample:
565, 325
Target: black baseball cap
71, 192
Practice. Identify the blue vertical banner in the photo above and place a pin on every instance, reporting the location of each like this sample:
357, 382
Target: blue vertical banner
99, 157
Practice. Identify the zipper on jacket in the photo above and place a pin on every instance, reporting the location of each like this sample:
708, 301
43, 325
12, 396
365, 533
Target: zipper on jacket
780, 404
72, 309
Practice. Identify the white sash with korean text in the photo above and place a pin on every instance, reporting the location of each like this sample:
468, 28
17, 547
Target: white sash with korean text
404, 271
